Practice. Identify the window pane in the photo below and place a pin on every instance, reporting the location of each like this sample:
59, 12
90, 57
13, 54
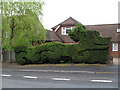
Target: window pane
68, 29
63, 31
118, 30
115, 47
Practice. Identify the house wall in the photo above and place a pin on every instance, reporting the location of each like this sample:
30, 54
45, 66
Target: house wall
111, 29
65, 38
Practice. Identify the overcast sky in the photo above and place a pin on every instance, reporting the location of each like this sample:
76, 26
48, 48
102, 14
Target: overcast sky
88, 12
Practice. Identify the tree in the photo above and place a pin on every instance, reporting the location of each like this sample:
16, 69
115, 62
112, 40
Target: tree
20, 24
19, 8
1, 39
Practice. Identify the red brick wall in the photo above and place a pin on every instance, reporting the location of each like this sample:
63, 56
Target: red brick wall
65, 38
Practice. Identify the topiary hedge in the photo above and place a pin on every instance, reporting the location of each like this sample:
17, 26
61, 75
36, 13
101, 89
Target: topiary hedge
54, 52
91, 49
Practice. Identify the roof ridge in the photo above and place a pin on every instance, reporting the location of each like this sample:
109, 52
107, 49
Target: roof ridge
59, 37
65, 20
74, 22
70, 18
103, 24
74, 19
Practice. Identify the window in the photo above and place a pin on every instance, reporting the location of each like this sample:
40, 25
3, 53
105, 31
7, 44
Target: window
118, 30
65, 30
115, 47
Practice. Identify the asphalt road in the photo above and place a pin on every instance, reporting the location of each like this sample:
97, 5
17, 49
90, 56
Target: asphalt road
60, 77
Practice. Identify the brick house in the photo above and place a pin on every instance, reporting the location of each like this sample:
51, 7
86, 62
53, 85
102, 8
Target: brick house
112, 31
60, 33
62, 29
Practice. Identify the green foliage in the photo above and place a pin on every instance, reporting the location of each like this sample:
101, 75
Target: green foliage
91, 49
75, 33
25, 29
21, 58
20, 8
21, 25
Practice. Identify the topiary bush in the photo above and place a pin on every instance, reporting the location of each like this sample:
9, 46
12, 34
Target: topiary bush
20, 54
91, 49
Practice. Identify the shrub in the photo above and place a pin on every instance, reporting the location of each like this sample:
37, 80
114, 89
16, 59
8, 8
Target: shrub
91, 49
20, 55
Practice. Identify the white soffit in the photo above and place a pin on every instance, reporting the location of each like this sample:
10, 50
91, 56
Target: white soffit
56, 28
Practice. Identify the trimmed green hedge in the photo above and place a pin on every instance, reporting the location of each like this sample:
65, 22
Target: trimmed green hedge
91, 49
54, 52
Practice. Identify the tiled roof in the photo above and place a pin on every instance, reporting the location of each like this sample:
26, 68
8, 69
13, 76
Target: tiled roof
69, 21
106, 30
52, 36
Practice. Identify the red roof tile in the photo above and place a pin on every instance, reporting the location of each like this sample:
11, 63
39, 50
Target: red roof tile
69, 21
106, 30
52, 36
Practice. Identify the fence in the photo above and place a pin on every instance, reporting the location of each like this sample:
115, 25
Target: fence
8, 56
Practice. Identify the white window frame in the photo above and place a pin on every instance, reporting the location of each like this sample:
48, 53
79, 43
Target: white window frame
115, 47
64, 30
118, 30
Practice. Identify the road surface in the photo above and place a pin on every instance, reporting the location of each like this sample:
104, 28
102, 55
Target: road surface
60, 77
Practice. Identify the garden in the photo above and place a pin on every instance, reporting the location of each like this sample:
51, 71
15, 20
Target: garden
92, 48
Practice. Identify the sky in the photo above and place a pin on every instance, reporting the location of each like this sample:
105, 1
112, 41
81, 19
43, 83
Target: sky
88, 12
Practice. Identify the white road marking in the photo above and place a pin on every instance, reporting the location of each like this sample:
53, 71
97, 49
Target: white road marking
31, 77
61, 79
3, 75
79, 71
107, 81
57, 71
